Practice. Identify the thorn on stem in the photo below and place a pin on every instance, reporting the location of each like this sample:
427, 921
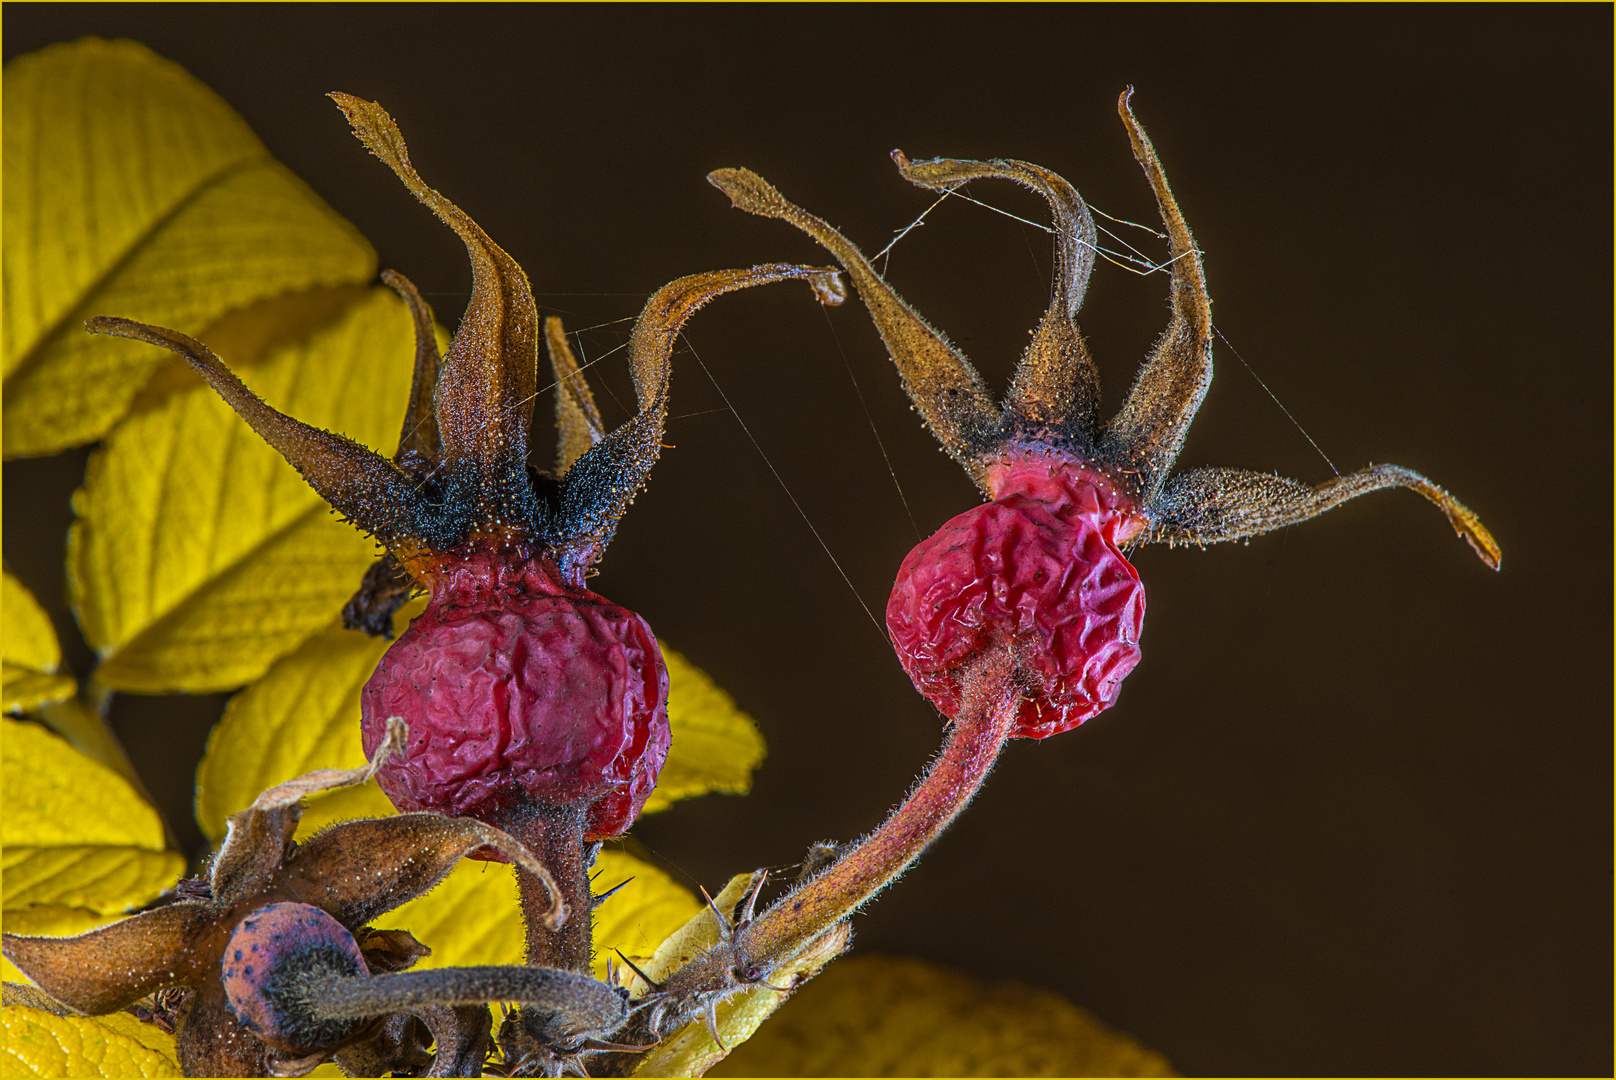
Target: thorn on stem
652, 983
751, 901
601, 898
712, 1027
724, 934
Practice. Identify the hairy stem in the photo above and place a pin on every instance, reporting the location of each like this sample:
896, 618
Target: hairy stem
587, 1003
556, 835
977, 735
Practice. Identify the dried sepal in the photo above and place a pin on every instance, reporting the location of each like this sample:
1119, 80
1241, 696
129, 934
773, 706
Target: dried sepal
488, 382
949, 393
32, 997
602, 482
420, 433
1056, 387
361, 869
385, 588
578, 423
213, 1042
104, 969
462, 1036
1206, 506
1143, 440
400, 1045
358, 482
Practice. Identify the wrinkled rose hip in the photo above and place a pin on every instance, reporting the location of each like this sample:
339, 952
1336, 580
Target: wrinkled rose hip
526, 688
1039, 569
1040, 566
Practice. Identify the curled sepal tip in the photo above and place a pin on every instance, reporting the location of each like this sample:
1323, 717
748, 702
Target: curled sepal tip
950, 394
602, 482
486, 387
361, 484
1210, 505
361, 869
1056, 392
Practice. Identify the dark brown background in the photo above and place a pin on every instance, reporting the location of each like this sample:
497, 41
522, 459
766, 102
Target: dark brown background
1351, 813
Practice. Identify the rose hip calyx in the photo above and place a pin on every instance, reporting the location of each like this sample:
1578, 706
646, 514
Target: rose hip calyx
519, 685
1039, 569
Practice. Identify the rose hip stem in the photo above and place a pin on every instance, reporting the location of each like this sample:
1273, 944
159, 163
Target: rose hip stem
556, 835
587, 1002
988, 708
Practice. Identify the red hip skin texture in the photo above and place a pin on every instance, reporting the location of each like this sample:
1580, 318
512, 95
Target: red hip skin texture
1039, 566
521, 688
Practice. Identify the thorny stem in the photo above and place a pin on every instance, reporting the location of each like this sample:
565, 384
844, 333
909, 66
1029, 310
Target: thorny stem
989, 705
556, 835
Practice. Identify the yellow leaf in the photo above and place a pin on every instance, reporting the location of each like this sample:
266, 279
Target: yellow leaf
75, 835
38, 1043
200, 556
26, 690
56, 797
888, 1016
474, 917
31, 657
640, 917
29, 653
97, 878
303, 715
88, 733
47, 920
150, 1036
715, 745
131, 189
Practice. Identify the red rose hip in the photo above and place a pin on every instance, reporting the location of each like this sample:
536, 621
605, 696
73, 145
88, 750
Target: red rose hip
1038, 571
1039, 568
532, 703
520, 688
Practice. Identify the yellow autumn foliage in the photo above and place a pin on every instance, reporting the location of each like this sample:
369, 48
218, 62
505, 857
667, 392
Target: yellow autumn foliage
29, 652
94, 225
38, 1043
892, 1016
716, 747
78, 844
